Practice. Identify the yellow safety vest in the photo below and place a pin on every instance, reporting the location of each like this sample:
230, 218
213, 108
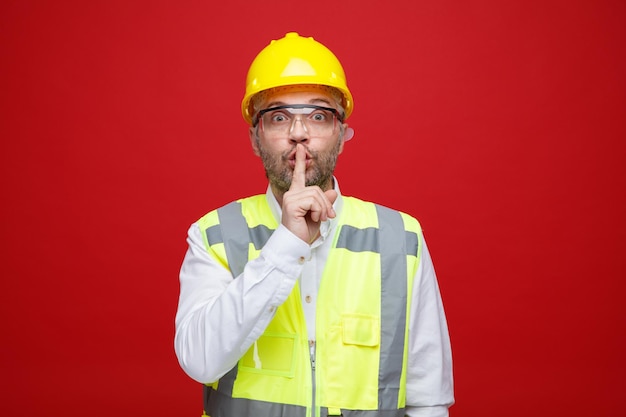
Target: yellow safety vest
359, 366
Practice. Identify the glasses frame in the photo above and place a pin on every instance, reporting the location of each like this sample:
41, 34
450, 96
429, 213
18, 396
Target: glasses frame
260, 114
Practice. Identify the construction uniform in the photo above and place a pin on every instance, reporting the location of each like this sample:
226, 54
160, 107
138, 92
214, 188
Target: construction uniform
351, 325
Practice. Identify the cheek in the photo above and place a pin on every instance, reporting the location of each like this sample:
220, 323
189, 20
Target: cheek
341, 147
273, 148
332, 147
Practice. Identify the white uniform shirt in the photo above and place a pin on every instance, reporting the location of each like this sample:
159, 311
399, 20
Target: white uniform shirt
219, 317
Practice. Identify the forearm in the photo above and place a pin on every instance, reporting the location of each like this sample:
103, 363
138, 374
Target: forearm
220, 317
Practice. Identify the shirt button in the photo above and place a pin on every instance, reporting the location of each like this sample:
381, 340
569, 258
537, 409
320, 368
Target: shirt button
272, 309
307, 298
301, 260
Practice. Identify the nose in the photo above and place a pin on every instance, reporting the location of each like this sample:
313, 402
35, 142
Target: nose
298, 131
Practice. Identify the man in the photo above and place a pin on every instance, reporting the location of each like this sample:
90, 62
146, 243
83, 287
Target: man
302, 302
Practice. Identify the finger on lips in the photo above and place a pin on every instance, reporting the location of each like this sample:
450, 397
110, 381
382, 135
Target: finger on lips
298, 180
318, 205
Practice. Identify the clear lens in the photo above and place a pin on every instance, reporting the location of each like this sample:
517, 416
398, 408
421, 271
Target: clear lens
279, 121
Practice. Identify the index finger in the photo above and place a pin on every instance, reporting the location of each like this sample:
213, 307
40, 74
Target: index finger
298, 179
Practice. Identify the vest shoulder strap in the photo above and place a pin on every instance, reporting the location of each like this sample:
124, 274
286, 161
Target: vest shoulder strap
229, 231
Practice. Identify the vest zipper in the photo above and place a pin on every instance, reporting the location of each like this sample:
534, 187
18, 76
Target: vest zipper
312, 351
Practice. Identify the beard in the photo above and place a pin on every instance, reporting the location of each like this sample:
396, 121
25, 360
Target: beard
319, 173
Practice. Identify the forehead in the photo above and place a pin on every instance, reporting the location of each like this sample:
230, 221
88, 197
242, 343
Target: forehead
297, 95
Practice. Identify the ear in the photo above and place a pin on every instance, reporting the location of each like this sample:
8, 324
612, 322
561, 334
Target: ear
254, 140
347, 135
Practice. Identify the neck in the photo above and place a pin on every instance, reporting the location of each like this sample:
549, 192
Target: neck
278, 194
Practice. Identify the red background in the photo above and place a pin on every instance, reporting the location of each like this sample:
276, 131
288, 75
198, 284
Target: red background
500, 125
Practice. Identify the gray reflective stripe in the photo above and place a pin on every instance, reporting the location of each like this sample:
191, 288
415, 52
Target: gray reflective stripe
367, 240
411, 243
214, 235
217, 404
365, 413
258, 235
220, 405
393, 306
233, 226
358, 240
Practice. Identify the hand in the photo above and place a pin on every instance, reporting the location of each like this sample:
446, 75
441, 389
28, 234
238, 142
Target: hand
304, 208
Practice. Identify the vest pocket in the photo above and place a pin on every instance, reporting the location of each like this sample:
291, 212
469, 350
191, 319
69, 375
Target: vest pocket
350, 363
360, 330
271, 354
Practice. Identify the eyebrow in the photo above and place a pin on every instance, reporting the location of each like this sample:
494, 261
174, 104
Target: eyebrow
312, 101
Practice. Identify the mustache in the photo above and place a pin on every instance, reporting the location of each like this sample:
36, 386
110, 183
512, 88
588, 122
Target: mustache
291, 153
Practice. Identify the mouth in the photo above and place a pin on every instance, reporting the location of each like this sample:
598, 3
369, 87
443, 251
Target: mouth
291, 159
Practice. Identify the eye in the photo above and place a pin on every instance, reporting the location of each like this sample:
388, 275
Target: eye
318, 117
279, 117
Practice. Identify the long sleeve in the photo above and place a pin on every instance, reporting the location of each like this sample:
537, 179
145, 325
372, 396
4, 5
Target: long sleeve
219, 317
429, 374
